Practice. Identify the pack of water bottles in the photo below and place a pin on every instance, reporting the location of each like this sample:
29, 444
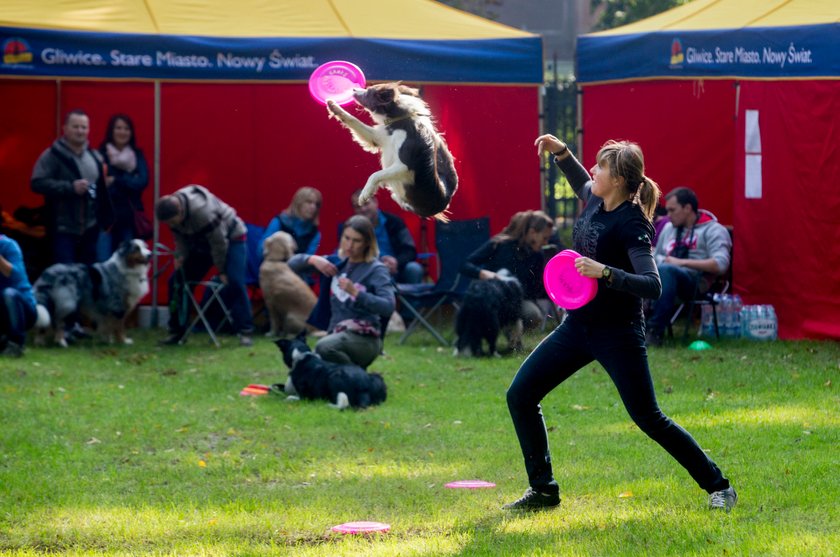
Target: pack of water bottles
728, 316
755, 322
758, 322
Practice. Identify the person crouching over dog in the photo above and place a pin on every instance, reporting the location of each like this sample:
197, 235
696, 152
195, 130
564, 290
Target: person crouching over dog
361, 296
207, 233
517, 248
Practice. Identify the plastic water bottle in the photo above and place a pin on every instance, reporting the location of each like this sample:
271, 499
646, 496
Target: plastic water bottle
735, 318
707, 321
725, 315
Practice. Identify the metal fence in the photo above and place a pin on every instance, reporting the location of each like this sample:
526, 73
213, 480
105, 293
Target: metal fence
560, 117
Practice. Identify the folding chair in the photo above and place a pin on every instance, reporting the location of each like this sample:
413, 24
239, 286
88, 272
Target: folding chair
454, 240
212, 295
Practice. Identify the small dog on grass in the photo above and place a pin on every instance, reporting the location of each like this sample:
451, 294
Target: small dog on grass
288, 299
490, 307
416, 163
342, 385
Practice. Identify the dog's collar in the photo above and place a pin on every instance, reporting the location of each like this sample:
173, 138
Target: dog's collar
389, 121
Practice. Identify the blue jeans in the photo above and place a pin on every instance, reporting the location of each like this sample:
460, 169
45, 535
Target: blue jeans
16, 316
235, 293
620, 348
109, 241
72, 248
677, 283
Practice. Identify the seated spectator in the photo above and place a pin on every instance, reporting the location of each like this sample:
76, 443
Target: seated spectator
517, 248
128, 176
692, 247
300, 219
17, 306
396, 246
358, 299
207, 233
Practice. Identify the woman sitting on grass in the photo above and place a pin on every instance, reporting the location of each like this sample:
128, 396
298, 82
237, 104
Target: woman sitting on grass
361, 295
613, 234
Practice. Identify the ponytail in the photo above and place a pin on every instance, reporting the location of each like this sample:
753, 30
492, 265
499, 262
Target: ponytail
647, 197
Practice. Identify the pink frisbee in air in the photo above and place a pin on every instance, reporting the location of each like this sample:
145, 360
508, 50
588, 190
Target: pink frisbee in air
335, 81
565, 285
361, 527
469, 484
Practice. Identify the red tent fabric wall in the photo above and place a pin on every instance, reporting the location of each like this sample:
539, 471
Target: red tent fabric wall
685, 129
786, 241
254, 144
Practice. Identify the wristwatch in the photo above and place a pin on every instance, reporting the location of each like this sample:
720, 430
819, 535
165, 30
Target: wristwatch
606, 273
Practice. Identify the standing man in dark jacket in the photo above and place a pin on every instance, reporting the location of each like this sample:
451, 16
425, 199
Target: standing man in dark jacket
396, 246
207, 233
69, 175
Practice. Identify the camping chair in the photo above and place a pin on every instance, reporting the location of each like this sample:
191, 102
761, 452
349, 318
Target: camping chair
201, 306
454, 241
719, 286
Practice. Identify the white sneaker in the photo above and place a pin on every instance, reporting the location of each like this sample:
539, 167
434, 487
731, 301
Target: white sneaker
723, 499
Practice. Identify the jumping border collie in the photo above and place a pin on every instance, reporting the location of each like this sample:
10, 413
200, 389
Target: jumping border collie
416, 163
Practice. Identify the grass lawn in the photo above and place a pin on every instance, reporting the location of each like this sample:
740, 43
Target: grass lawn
151, 451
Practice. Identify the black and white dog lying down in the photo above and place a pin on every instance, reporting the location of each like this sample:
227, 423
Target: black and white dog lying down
342, 385
488, 308
103, 292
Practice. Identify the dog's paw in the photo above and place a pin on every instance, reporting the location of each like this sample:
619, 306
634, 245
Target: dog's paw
367, 192
62, 342
292, 398
334, 110
341, 401
128, 341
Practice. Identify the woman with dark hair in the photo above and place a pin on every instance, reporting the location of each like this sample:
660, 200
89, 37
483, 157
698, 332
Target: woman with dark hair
613, 235
517, 248
361, 295
128, 176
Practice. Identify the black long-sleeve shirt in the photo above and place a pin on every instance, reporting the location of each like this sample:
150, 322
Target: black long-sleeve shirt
621, 239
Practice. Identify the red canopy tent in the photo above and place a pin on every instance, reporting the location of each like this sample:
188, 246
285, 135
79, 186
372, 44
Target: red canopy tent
739, 100
219, 96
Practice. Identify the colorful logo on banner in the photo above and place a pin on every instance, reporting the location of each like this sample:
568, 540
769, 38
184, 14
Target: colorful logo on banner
677, 56
16, 51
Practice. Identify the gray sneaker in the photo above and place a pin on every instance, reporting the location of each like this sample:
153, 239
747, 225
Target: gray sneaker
245, 340
723, 499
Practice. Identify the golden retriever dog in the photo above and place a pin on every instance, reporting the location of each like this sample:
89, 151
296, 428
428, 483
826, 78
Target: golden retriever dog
288, 298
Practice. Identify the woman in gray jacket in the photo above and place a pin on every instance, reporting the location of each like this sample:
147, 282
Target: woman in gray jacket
361, 295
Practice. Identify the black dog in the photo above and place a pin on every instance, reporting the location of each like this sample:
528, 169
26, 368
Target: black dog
342, 385
488, 308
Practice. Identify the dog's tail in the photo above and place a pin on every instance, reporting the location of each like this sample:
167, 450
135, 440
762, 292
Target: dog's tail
43, 320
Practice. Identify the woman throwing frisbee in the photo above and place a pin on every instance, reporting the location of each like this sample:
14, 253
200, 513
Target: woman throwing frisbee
613, 235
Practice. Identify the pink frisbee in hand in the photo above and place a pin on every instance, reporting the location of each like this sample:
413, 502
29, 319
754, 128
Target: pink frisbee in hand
361, 527
565, 285
335, 81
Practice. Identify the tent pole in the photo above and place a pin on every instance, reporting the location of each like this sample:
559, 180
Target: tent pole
156, 224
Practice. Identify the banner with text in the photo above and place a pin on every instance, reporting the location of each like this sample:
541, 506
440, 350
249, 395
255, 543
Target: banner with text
767, 52
36, 52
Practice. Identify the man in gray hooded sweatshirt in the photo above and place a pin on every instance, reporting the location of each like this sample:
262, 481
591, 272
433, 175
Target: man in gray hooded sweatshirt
692, 248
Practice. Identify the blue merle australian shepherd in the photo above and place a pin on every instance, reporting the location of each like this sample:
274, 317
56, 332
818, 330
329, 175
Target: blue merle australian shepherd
103, 293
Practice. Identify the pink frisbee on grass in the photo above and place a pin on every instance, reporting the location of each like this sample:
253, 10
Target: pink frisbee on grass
335, 81
470, 484
565, 285
361, 527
